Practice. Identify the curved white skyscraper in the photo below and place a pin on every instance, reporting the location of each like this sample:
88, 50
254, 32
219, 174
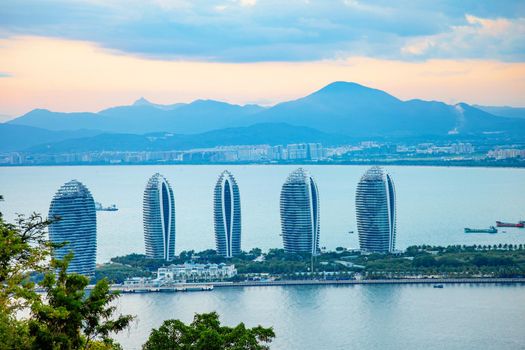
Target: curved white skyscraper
159, 218
227, 215
74, 208
376, 211
300, 213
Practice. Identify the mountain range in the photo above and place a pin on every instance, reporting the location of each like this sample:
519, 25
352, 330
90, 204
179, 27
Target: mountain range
264, 133
336, 113
504, 111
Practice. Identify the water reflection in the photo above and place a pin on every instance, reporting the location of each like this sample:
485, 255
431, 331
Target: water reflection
358, 317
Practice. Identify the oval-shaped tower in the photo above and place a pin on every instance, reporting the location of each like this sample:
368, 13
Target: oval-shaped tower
159, 218
375, 203
74, 208
300, 213
227, 215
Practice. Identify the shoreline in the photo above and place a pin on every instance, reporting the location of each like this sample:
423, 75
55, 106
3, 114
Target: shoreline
385, 164
378, 281
415, 281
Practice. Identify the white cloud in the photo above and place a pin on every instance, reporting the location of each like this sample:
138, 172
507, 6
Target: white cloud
301, 30
248, 3
417, 47
351, 3
170, 5
479, 37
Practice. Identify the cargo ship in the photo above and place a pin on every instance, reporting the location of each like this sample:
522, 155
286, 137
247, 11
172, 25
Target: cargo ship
520, 224
491, 229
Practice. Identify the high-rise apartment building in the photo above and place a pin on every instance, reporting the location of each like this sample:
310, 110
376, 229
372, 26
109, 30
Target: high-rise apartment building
376, 211
300, 213
159, 218
73, 210
227, 215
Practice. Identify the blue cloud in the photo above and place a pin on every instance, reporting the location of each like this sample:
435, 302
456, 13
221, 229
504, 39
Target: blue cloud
5, 75
267, 30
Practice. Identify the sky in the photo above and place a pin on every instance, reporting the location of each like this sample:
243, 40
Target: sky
87, 55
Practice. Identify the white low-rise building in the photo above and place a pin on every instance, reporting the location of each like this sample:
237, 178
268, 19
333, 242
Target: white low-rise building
137, 281
191, 271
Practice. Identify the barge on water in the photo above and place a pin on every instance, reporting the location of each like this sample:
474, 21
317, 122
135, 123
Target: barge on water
491, 229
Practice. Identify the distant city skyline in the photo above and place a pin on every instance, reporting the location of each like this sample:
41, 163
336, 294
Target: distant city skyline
90, 55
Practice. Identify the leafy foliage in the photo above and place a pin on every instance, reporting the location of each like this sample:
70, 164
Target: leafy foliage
23, 250
69, 319
65, 318
117, 273
206, 333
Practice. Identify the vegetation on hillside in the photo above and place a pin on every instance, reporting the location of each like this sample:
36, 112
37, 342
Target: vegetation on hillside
503, 260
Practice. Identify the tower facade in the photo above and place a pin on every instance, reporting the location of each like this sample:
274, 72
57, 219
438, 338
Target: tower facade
227, 215
73, 208
376, 211
159, 218
300, 213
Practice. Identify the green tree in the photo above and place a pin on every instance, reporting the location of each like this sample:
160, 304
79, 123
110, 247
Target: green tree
68, 319
65, 318
206, 333
256, 252
424, 261
23, 251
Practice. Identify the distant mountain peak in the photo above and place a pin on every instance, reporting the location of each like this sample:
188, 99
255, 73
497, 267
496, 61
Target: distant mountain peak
339, 88
142, 102
343, 85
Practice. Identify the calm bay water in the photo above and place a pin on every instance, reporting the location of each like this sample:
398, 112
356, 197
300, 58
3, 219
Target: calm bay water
351, 317
434, 204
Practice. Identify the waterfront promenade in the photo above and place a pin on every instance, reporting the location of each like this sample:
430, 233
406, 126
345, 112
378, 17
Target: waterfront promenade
206, 286
378, 281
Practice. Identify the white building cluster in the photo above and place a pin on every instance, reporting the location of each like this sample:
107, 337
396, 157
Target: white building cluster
195, 272
257, 153
506, 153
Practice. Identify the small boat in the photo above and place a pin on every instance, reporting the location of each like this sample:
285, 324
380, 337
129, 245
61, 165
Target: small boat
520, 224
491, 229
438, 286
100, 207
